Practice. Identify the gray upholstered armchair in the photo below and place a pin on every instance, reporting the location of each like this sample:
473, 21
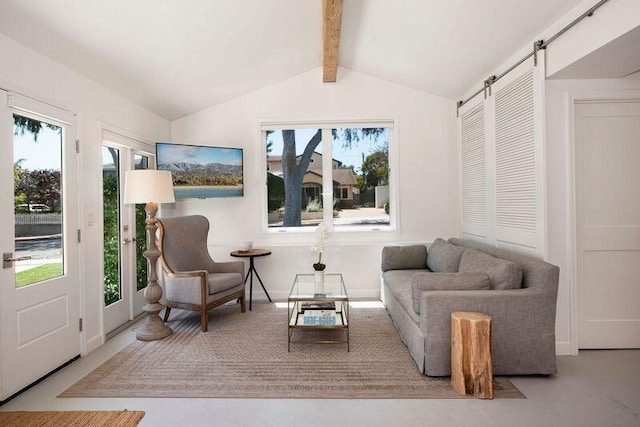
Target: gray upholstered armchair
194, 281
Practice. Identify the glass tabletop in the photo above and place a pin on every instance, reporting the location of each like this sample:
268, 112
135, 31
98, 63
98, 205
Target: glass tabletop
303, 288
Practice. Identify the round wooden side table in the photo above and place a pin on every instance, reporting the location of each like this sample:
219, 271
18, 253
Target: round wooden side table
251, 254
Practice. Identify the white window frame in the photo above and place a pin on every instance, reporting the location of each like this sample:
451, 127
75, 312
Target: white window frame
326, 126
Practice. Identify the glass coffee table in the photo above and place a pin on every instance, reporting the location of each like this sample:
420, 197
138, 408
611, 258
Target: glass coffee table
308, 310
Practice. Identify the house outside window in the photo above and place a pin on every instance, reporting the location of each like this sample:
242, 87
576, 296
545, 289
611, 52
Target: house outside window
336, 175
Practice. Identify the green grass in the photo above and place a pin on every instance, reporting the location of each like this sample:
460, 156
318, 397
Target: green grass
38, 274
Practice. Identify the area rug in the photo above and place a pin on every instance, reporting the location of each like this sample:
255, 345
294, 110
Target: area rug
244, 355
71, 418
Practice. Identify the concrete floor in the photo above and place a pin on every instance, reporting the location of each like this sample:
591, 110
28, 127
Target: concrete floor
597, 388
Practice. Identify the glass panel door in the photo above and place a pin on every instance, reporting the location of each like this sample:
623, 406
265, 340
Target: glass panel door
125, 268
140, 162
39, 279
111, 223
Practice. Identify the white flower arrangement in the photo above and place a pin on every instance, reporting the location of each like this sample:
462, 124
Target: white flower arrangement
322, 236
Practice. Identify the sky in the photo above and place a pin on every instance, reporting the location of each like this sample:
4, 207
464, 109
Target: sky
348, 156
177, 153
44, 154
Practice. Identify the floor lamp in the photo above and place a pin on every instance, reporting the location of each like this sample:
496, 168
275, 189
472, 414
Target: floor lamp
150, 186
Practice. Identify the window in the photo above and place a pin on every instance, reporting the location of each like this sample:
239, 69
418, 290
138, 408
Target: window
341, 193
38, 189
333, 174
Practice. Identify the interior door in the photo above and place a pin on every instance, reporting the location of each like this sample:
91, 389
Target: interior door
39, 281
125, 268
607, 147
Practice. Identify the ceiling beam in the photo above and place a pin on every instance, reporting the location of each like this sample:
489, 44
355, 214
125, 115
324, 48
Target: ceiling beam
331, 21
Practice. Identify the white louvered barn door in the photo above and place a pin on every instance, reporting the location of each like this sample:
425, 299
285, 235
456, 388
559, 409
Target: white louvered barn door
474, 172
519, 149
509, 209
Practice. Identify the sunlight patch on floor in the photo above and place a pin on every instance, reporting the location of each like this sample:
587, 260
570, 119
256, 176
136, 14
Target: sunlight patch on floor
366, 304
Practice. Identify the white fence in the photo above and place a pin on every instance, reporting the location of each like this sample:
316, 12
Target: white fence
38, 218
38, 224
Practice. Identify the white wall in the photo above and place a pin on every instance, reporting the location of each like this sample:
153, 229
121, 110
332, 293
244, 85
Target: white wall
427, 173
560, 184
34, 75
609, 22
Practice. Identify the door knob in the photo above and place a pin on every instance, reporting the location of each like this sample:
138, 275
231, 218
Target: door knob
8, 260
128, 240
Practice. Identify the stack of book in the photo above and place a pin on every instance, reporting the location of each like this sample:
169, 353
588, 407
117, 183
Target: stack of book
313, 305
319, 317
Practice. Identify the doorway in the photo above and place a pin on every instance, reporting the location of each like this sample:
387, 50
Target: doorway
607, 151
124, 267
39, 281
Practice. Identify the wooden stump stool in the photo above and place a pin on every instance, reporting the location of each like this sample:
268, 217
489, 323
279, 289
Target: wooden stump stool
471, 370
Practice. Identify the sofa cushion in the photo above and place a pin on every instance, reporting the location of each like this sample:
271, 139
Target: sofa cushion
443, 257
399, 283
404, 257
421, 282
219, 282
502, 273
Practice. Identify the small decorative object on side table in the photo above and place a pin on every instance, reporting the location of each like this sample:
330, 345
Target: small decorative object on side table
252, 253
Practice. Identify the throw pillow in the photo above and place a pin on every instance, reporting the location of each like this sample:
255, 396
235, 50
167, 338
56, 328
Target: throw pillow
421, 282
503, 274
404, 257
443, 257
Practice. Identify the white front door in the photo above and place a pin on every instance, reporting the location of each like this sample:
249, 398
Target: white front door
607, 146
124, 267
39, 281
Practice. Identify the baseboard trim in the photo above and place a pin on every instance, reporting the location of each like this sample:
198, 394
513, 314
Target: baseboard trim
124, 326
565, 348
94, 343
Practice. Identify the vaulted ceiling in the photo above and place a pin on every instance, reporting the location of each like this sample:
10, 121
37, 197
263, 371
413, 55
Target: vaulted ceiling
176, 57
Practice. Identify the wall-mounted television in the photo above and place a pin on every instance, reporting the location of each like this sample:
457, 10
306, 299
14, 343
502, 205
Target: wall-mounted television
202, 171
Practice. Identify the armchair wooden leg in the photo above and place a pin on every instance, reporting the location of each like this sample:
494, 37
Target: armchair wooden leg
167, 310
204, 319
243, 306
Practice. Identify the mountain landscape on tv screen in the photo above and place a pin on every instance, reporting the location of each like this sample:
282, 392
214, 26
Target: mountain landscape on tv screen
188, 174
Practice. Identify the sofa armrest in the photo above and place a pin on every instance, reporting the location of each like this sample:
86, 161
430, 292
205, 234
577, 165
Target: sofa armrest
186, 287
404, 257
522, 326
523, 307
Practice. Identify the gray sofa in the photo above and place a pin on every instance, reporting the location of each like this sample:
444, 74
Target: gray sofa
422, 287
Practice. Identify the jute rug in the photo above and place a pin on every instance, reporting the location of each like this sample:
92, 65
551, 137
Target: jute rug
71, 418
245, 356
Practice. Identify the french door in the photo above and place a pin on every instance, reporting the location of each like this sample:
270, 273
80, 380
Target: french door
39, 281
124, 267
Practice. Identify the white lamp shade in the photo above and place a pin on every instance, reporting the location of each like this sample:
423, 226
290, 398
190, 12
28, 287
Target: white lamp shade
148, 185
